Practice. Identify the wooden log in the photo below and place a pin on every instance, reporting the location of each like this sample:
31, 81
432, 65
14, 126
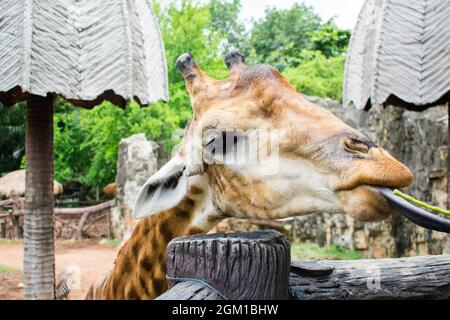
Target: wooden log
81, 222
79, 211
9, 202
190, 290
6, 203
17, 211
98, 218
238, 265
16, 206
108, 218
424, 277
2, 228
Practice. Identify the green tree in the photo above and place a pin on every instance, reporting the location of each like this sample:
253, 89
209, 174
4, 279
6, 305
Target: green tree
224, 20
187, 27
318, 75
330, 40
12, 137
281, 34
87, 141
71, 160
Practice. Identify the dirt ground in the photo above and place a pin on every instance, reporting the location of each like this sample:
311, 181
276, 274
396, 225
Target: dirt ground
92, 257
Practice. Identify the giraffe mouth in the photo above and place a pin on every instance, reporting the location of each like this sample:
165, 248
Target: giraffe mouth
415, 214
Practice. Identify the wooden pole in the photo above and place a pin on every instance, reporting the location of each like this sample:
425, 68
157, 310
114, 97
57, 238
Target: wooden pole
39, 246
2, 228
108, 221
81, 222
423, 277
79, 211
15, 219
249, 266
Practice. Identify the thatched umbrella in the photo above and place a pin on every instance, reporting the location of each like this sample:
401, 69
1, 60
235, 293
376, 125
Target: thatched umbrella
399, 54
85, 51
13, 185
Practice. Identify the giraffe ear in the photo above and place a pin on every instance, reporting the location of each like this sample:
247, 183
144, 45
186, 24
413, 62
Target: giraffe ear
162, 191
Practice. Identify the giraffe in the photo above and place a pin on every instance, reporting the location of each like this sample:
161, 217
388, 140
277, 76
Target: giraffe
321, 164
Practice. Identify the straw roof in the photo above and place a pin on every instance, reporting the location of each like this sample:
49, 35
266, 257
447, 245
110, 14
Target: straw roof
84, 50
13, 184
399, 53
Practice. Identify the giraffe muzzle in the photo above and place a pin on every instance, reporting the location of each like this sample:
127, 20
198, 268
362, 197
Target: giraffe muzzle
415, 214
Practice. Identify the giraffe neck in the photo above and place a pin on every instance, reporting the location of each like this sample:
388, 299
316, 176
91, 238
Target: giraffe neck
140, 268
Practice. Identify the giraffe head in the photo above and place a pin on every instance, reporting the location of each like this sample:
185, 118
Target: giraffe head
262, 150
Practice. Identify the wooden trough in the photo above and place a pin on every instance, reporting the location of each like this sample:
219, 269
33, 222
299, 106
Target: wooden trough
257, 265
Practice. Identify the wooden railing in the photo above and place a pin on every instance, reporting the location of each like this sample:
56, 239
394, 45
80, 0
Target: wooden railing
15, 211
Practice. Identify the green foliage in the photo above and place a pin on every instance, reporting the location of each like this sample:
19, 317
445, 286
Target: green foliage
71, 160
111, 242
282, 35
330, 40
224, 20
6, 269
107, 124
12, 137
9, 241
87, 141
317, 75
306, 251
187, 27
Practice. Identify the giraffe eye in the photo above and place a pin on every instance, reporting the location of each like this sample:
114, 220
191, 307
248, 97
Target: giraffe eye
220, 143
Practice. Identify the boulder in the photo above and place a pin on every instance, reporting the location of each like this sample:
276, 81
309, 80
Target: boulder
137, 161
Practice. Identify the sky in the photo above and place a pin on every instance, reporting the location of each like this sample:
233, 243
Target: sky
346, 11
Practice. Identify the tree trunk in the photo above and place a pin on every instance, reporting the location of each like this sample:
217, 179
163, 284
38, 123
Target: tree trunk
425, 277
250, 266
39, 249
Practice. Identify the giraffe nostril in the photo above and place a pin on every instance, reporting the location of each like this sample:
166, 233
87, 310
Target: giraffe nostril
352, 145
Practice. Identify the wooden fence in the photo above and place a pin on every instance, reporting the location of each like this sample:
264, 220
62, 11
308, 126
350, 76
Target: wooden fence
92, 221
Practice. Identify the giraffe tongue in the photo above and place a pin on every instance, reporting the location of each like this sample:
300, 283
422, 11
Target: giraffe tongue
417, 215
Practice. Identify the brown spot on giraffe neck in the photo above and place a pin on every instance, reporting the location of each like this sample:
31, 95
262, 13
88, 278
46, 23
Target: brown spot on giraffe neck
139, 271
196, 190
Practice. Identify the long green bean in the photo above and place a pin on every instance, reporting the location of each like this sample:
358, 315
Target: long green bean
421, 203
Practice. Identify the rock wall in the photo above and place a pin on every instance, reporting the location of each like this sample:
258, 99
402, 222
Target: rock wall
137, 161
419, 139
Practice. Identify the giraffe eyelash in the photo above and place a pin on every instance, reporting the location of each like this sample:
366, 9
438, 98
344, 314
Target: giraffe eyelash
166, 182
